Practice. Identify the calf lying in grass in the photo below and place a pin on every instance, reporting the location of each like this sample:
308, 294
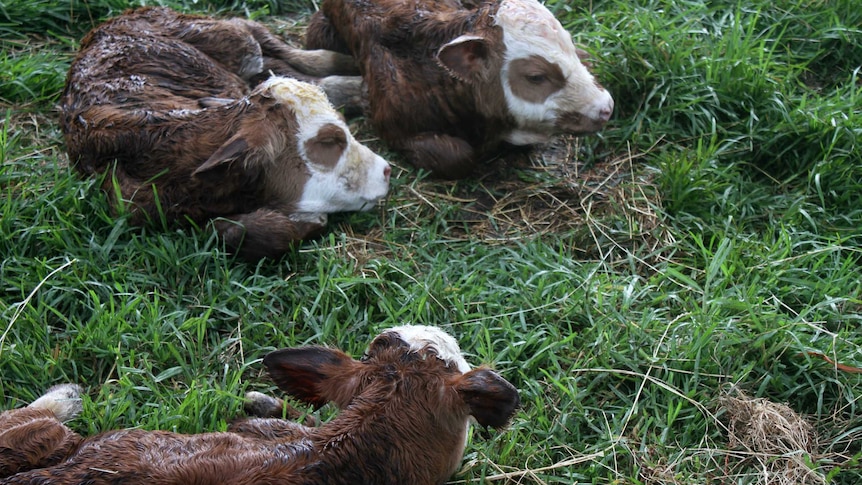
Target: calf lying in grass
160, 105
450, 82
405, 409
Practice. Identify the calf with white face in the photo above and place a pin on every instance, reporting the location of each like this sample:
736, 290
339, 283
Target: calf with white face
304, 160
158, 104
548, 89
502, 71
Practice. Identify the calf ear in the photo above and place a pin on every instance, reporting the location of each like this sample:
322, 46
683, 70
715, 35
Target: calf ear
491, 399
315, 375
233, 149
464, 57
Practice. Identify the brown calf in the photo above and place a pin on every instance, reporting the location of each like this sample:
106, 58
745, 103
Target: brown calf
405, 409
160, 105
448, 83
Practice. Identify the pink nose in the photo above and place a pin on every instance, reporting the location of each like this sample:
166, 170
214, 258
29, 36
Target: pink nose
386, 172
605, 113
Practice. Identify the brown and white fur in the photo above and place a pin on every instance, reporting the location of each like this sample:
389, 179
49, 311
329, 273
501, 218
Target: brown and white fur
448, 84
162, 106
405, 408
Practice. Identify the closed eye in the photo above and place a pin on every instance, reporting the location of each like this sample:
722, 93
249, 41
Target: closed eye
333, 141
534, 78
537, 78
326, 148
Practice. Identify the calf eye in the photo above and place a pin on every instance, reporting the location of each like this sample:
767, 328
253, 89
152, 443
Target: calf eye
333, 141
537, 78
327, 146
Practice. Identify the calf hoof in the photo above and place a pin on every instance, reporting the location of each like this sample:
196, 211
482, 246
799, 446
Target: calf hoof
63, 399
260, 405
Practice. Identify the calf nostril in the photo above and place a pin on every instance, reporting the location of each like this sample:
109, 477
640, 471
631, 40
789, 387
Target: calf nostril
605, 113
387, 171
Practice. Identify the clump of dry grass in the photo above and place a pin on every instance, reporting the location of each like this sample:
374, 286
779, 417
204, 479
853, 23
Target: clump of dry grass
553, 189
605, 207
774, 442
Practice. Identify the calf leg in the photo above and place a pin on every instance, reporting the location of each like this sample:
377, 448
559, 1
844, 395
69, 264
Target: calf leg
317, 63
268, 419
264, 233
260, 405
228, 43
342, 91
345, 92
34, 437
321, 34
247, 48
269, 428
444, 155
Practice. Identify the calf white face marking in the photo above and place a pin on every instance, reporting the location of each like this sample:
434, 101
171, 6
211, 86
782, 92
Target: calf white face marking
547, 88
421, 336
344, 174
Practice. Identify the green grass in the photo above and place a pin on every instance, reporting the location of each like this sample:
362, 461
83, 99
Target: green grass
710, 239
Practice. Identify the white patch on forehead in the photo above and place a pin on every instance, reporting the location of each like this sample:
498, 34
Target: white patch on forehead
529, 28
311, 108
309, 104
307, 101
422, 336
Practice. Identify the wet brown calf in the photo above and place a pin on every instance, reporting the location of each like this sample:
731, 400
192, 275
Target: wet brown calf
405, 408
449, 84
169, 110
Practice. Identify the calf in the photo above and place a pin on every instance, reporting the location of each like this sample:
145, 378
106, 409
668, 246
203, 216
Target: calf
449, 84
161, 105
405, 409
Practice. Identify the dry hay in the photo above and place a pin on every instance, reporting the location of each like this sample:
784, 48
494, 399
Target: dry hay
774, 442
604, 208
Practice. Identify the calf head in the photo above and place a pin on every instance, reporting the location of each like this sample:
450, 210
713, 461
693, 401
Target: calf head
547, 89
412, 388
332, 172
